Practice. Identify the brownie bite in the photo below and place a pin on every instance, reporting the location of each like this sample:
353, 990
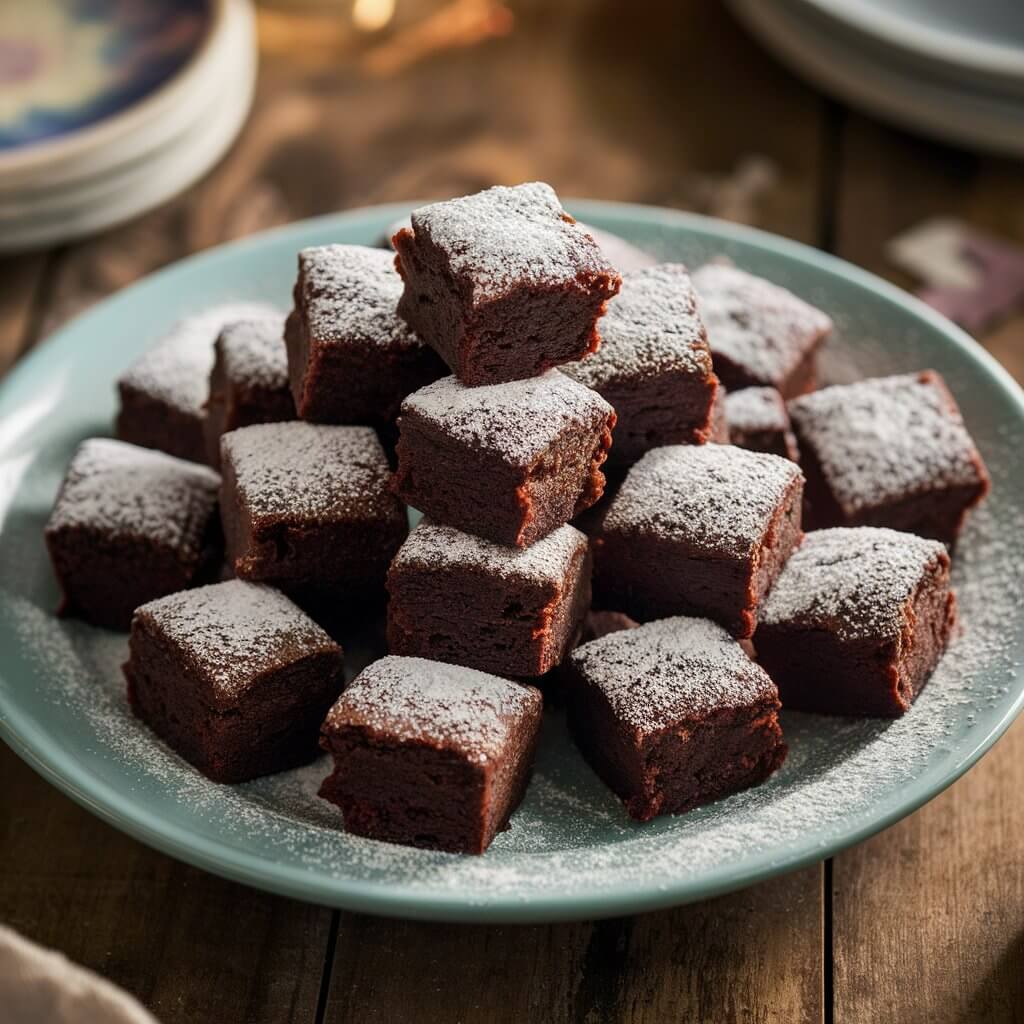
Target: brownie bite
760, 334
508, 462
309, 508
893, 452
720, 418
351, 358
758, 421
701, 530
163, 393
503, 284
654, 365
249, 380
234, 677
857, 621
513, 611
673, 714
130, 525
430, 755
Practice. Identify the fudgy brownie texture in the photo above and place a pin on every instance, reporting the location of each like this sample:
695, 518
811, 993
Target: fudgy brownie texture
892, 451
698, 529
758, 421
720, 418
760, 334
350, 357
503, 284
857, 621
673, 714
309, 507
234, 677
508, 462
249, 380
430, 755
130, 525
514, 611
654, 365
598, 624
163, 393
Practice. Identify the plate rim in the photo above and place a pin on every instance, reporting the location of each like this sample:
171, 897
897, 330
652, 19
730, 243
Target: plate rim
119, 809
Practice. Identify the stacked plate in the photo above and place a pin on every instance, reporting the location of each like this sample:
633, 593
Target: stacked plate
948, 69
109, 109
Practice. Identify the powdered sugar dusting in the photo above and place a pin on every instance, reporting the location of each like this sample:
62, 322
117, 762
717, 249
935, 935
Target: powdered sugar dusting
717, 497
407, 699
254, 354
756, 410
127, 491
670, 671
434, 546
516, 422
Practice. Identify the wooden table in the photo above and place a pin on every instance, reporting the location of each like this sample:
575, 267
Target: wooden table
665, 103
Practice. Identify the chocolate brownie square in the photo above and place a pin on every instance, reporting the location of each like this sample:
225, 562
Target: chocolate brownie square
508, 462
760, 334
673, 714
720, 418
163, 393
350, 357
698, 529
503, 284
857, 621
892, 451
654, 365
309, 507
430, 755
758, 421
130, 525
234, 677
249, 380
465, 600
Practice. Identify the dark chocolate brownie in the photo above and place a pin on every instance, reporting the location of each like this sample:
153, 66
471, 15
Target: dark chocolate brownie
760, 334
654, 365
673, 714
857, 621
698, 529
758, 421
598, 624
430, 755
163, 393
503, 284
249, 380
465, 600
508, 462
234, 676
720, 418
129, 525
307, 506
350, 357
892, 451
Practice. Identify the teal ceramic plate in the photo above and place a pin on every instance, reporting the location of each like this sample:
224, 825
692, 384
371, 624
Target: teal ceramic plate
571, 852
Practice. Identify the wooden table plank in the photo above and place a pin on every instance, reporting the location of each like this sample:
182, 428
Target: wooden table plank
21, 284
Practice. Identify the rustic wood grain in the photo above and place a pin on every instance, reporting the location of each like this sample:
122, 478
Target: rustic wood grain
21, 284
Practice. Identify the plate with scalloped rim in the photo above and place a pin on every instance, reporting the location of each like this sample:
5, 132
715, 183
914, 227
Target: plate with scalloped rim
570, 852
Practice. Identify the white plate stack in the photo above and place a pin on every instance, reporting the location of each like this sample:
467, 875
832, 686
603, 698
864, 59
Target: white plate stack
73, 183
949, 69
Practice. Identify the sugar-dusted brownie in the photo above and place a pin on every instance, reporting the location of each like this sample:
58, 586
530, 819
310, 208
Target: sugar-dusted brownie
234, 676
429, 754
514, 611
503, 284
130, 525
249, 379
760, 334
698, 529
600, 623
163, 393
720, 418
673, 714
857, 621
654, 364
891, 451
350, 357
758, 421
508, 462
308, 506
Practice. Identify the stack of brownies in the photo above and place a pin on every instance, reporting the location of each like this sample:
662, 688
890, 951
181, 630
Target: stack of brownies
673, 608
